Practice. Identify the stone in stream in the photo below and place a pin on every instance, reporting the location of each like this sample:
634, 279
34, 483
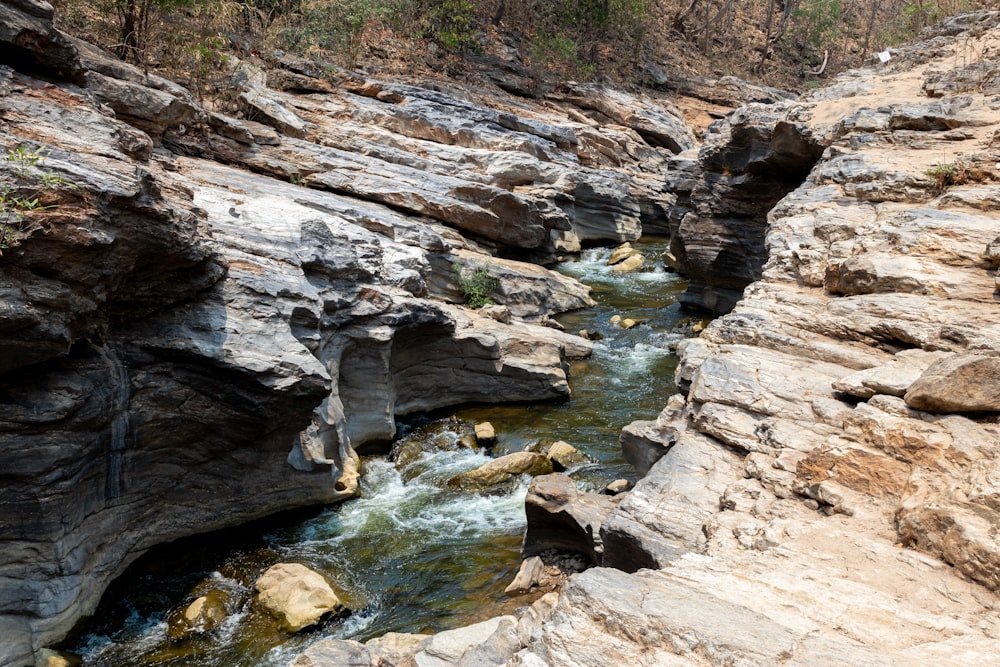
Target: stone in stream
486, 435
502, 470
205, 614
297, 596
631, 263
565, 456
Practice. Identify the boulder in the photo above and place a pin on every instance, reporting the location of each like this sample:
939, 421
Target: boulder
621, 253
297, 596
562, 518
958, 383
501, 471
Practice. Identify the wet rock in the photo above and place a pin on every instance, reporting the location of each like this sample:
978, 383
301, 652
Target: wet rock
501, 471
203, 615
631, 263
564, 519
486, 436
297, 596
621, 253
958, 383
565, 456
618, 486
335, 653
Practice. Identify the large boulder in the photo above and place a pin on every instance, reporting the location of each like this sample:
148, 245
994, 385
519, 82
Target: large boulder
297, 596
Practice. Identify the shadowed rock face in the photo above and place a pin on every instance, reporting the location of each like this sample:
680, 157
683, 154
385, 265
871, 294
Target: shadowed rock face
751, 159
190, 338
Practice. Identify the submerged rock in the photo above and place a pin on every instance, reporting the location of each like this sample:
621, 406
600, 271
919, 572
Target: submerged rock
297, 596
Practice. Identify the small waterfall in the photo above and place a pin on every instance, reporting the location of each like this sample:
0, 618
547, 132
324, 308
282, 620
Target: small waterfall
119, 391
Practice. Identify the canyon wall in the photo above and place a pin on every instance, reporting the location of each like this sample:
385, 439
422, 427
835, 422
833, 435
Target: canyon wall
823, 491
210, 310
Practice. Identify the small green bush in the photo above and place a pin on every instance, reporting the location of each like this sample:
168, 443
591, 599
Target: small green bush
31, 179
477, 285
947, 174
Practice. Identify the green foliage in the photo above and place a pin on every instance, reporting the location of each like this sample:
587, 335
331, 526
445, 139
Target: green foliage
915, 16
452, 23
336, 26
477, 285
945, 175
818, 21
31, 180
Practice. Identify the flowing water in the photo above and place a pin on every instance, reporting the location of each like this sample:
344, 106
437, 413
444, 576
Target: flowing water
409, 555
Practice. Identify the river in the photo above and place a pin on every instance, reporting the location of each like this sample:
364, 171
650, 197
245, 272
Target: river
409, 555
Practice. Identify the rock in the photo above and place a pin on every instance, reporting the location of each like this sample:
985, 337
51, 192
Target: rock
621, 253
628, 323
618, 486
151, 110
49, 658
334, 653
562, 518
958, 383
261, 106
297, 596
501, 471
530, 575
893, 378
203, 615
565, 456
485, 434
631, 263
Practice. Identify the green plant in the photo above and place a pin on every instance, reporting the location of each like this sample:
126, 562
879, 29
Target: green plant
477, 285
17, 200
947, 174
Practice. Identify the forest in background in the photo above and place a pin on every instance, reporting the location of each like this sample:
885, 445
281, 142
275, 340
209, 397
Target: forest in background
793, 44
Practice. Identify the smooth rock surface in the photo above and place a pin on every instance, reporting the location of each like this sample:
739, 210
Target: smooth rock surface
298, 596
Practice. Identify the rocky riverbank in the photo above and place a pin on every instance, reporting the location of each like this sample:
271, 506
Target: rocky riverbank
208, 310
823, 492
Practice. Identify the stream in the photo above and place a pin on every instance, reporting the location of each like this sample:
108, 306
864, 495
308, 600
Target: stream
409, 555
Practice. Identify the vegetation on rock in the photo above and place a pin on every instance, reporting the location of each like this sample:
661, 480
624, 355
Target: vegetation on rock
477, 285
31, 182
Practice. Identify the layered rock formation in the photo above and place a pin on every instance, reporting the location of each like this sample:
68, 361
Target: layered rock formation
212, 311
825, 490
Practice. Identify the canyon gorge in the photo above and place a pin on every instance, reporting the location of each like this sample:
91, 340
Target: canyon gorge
210, 316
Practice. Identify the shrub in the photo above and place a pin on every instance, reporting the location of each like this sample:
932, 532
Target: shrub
31, 180
477, 285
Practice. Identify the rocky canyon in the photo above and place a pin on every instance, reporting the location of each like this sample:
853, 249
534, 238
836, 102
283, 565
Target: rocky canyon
207, 315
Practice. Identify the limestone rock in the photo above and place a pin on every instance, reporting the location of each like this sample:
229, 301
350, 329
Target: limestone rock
959, 383
502, 470
298, 596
